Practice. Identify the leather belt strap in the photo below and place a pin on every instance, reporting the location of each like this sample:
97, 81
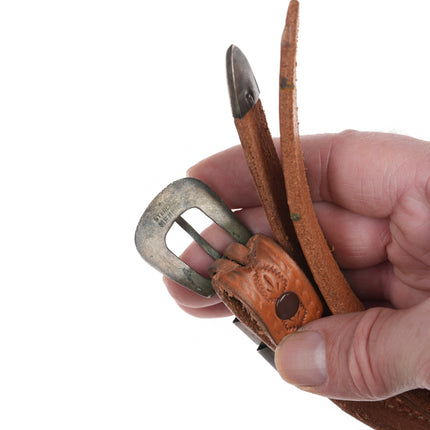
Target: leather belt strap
412, 409
252, 280
259, 150
331, 282
266, 170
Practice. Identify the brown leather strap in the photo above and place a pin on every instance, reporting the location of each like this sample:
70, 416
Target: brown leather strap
266, 171
410, 410
252, 280
330, 280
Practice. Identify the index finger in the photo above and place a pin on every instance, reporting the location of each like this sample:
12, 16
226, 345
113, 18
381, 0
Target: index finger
362, 172
228, 175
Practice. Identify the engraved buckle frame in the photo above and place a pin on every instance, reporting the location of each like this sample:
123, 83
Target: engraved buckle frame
166, 209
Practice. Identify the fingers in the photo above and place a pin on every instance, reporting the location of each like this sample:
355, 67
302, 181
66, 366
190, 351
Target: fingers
196, 258
215, 311
228, 175
380, 283
362, 172
371, 283
357, 241
188, 299
369, 355
365, 173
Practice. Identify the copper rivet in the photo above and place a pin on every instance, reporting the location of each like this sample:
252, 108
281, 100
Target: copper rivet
287, 305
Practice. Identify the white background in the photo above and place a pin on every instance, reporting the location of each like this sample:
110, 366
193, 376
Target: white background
102, 104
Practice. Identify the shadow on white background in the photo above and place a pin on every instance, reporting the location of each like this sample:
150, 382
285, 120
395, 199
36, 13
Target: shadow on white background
102, 104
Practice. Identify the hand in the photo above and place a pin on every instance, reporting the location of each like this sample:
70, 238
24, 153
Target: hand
371, 193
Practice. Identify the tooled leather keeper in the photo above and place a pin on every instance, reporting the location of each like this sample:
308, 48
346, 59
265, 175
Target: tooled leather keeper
265, 289
253, 281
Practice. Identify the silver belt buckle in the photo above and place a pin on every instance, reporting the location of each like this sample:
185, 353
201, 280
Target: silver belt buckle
165, 210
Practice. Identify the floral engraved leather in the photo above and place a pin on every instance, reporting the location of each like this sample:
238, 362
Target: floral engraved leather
264, 287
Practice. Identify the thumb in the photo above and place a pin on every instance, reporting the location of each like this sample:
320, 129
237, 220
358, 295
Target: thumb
368, 355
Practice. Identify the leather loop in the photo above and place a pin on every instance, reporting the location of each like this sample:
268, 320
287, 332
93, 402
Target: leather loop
266, 289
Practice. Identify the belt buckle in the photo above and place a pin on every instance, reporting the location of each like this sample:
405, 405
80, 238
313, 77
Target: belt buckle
166, 209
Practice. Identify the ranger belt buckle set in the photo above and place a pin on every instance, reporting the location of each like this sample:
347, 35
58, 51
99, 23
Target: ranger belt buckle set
273, 286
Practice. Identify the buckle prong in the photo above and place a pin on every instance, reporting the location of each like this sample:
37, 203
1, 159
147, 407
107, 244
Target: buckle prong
204, 244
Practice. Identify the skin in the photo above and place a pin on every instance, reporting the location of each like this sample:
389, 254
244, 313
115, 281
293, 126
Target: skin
371, 193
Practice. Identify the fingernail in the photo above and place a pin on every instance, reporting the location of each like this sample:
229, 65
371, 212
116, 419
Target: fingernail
300, 359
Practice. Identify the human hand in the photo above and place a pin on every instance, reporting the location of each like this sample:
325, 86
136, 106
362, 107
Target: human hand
371, 193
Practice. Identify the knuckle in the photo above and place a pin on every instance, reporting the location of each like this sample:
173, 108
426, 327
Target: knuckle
348, 132
346, 135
